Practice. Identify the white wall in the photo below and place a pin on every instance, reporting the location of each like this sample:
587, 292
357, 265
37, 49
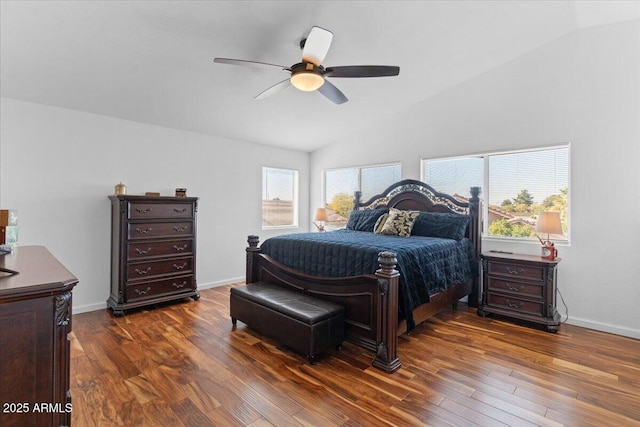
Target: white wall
584, 89
58, 166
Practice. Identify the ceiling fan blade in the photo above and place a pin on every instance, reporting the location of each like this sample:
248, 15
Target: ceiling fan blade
317, 45
363, 71
247, 63
333, 93
274, 89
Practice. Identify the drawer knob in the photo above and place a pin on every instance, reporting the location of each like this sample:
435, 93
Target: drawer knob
514, 271
180, 229
514, 288
143, 251
176, 210
514, 304
140, 292
179, 285
145, 231
143, 211
180, 248
142, 272
180, 267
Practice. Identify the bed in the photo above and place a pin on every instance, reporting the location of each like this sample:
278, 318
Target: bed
387, 283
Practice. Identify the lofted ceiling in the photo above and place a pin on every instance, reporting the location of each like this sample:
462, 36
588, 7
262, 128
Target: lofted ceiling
152, 61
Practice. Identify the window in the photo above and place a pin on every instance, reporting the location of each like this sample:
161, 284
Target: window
517, 185
341, 184
279, 198
454, 176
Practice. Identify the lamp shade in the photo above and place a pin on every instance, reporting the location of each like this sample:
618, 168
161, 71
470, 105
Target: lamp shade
321, 215
307, 81
549, 222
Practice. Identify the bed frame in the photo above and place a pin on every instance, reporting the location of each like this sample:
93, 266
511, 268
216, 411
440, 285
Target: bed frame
371, 300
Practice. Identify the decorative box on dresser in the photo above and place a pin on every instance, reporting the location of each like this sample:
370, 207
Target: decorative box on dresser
35, 322
521, 287
153, 250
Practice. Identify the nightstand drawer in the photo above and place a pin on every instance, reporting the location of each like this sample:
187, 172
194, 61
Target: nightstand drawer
159, 287
516, 304
516, 270
516, 288
138, 210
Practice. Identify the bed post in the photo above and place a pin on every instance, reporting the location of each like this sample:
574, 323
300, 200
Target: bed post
387, 328
252, 262
356, 200
475, 234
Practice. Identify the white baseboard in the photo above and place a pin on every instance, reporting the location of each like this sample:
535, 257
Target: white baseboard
220, 283
77, 309
605, 327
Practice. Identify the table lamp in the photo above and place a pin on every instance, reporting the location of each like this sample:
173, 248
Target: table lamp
548, 222
320, 218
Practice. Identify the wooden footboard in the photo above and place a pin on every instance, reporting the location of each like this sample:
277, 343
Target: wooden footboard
370, 301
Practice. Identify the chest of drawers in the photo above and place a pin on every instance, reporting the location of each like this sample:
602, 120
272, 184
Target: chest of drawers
153, 250
521, 287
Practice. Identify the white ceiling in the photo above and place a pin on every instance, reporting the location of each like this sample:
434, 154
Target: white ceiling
152, 61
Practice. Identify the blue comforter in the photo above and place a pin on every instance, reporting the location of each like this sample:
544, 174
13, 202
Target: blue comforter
427, 265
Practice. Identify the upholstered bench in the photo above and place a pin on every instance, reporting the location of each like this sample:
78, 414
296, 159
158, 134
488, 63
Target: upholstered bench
296, 320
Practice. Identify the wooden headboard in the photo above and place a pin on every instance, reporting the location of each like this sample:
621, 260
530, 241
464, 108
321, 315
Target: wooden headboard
410, 194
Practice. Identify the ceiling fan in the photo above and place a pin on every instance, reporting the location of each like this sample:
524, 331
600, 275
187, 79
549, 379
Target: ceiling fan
310, 75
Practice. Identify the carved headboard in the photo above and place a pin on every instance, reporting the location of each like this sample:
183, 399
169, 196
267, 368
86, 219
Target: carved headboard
410, 194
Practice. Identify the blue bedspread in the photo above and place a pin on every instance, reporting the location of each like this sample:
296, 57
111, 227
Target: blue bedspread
426, 264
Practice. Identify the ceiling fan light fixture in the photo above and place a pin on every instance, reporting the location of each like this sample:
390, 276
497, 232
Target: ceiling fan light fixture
307, 76
307, 80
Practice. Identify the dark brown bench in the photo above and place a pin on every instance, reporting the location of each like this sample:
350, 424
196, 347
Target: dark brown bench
296, 320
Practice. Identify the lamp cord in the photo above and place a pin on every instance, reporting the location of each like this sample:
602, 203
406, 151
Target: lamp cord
566, 309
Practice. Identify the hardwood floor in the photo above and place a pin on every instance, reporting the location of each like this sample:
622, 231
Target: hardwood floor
184, 365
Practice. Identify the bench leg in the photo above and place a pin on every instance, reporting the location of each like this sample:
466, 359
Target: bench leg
312, 359
234, 321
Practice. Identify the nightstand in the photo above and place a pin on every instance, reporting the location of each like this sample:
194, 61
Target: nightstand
521, 287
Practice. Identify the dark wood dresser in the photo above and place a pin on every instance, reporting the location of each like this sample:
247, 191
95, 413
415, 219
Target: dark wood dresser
521, 287
35, 321
153, 250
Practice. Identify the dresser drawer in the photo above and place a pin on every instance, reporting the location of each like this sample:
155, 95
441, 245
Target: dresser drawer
516, 288
139, 210
140, 291
516, 304
144, 270
516, 270
150, 230
139, 250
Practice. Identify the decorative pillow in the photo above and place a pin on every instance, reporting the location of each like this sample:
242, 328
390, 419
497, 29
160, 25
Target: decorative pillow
364, 220
380, 223
444, 225
399, 222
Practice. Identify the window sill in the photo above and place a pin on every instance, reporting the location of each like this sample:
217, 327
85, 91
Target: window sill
523, 241
281, 227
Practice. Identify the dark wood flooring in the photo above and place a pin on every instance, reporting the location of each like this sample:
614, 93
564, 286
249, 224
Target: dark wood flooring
184, 365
